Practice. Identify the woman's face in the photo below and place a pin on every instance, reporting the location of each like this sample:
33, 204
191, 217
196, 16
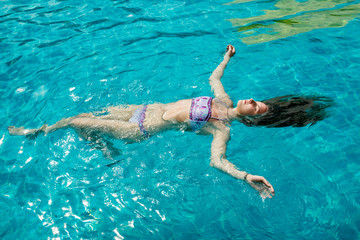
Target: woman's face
251, 107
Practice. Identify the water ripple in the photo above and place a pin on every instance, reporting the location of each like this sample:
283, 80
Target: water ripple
89, 24
119, 23
53, 43
61, 58
159, 34
13, 61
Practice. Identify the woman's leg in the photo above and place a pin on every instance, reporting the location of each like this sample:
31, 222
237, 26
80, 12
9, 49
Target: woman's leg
87, 124
122, 113
113, 128
45, 128
100, 143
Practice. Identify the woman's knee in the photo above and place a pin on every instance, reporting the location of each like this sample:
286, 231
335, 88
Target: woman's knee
80, 122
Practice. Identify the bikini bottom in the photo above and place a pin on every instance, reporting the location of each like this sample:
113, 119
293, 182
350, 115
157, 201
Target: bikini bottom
139, 117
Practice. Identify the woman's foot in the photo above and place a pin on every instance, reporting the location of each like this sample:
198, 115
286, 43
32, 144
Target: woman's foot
22, 131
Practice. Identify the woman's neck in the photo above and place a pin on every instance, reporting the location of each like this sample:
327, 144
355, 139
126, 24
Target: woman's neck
233, 114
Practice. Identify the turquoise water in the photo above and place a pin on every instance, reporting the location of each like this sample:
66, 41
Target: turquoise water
62, 58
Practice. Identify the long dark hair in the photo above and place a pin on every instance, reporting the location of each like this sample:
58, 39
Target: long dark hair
291, 110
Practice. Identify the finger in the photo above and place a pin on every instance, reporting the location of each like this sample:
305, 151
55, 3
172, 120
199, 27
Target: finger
266, 182
271, 189
265, 195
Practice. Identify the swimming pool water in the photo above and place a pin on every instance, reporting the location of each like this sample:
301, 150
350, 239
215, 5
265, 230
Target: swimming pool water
62, 58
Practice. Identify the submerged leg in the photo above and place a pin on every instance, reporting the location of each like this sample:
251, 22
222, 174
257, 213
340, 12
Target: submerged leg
100, 143
106, 147
113, 128
87, 124
45, 128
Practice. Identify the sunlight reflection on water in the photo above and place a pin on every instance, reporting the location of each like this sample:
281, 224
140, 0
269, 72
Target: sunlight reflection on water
293, 17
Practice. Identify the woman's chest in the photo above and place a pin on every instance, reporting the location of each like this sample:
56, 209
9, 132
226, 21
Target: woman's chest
178, 111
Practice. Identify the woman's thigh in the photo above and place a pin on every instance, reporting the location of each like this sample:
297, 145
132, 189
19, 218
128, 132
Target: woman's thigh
122, 113
113, 128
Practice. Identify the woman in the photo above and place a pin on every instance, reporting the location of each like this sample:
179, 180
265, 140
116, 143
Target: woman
205, 115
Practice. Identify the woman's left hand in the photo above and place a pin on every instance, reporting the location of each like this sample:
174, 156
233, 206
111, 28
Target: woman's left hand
230, 50
260, 184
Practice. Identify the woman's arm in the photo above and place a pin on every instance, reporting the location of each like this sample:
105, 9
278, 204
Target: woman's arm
214, 80
219, 161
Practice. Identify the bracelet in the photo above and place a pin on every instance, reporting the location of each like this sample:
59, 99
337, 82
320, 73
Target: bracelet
245, 176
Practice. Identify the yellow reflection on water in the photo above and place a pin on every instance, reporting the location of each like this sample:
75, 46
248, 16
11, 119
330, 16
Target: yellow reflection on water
292, 17
239, 1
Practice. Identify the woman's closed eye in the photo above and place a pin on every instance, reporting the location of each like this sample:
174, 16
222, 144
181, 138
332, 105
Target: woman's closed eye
256, 106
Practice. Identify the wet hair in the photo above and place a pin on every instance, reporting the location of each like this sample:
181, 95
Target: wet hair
291, 110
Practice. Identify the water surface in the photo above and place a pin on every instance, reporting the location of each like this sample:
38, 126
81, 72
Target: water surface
62, 58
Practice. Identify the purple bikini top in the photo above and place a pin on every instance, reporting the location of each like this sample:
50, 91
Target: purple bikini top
200, 112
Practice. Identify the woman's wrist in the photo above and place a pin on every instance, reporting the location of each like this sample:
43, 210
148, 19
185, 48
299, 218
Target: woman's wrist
245, 177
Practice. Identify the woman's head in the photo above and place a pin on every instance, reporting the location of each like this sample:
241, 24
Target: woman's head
250, 107
290, 110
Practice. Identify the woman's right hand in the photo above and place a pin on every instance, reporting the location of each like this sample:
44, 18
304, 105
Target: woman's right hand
230, 50
260, 184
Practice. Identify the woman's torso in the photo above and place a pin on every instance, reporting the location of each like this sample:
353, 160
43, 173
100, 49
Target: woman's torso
177, 115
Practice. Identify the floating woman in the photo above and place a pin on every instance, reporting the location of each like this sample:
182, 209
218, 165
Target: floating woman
204, 115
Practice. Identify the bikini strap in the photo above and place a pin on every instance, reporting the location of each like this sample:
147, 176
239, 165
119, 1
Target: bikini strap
219, 101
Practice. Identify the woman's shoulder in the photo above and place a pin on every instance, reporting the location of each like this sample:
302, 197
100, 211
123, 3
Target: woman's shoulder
225, 101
